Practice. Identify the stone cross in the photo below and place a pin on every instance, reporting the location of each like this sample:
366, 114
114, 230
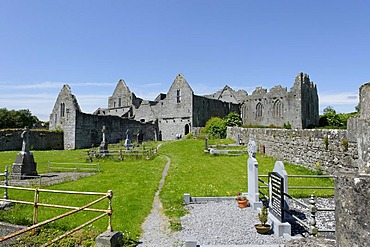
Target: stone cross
103, 131
253, 193
25, 136
252, 148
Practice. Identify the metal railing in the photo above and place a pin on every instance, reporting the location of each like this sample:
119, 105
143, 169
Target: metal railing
312, 227
36, 204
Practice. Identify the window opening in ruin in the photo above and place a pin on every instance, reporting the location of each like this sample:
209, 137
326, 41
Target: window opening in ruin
114, 104
277, 109
119, 102
259, 110
62, 109
178, 96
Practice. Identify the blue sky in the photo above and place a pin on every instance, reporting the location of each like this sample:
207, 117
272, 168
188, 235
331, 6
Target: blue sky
90, 45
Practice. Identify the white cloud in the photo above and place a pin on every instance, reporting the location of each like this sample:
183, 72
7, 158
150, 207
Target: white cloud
41, 85
343, 98
343, 102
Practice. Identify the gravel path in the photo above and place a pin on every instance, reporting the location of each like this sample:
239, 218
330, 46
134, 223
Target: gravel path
156, 227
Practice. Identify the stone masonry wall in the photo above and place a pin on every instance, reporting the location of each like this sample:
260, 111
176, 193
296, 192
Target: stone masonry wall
88, 129
205, 108
10, 139
303, 146
352, 204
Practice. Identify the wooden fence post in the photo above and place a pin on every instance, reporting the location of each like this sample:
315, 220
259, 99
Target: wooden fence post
110, 196
35, 209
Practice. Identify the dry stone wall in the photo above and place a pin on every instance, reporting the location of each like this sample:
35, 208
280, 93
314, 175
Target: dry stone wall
10, 139
328, 150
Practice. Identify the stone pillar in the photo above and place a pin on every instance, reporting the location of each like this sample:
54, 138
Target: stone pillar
352, 190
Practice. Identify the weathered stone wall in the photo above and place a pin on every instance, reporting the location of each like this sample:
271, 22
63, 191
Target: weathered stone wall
10, 139
205, 108
352, 205
298, 107
89, 129
304, 147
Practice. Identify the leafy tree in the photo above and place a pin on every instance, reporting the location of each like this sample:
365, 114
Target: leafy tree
216, 127
233, 119
16, 119
332, 119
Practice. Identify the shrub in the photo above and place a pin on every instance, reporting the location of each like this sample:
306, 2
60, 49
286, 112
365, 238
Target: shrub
216, 127
189, 136
233, 119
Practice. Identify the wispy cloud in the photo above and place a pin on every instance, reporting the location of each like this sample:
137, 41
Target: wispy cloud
342, 98
52, 85
41, 85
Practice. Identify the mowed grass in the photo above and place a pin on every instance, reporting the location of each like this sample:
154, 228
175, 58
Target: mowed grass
134, 183
192, 171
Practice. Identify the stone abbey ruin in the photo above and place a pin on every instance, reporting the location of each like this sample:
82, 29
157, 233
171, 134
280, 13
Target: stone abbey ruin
180, 111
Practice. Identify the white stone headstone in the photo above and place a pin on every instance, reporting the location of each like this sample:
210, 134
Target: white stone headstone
253, 192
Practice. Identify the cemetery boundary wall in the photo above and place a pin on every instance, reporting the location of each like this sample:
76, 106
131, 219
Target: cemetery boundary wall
328, 150
10, 139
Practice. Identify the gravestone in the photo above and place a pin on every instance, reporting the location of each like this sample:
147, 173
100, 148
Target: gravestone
103, 148
127, 141
253, 192
278, 184
237, 139
24, 164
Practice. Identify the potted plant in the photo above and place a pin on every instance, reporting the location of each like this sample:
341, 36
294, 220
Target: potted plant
241, 200
263, 228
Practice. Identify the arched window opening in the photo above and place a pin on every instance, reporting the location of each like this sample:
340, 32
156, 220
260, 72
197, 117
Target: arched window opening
62, 109
259, 110
278, 109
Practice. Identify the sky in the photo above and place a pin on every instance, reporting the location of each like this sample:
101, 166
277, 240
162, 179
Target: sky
91, 45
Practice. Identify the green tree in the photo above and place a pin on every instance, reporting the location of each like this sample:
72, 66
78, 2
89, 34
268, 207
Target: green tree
216, 127
17, 119
332, 119
233, 119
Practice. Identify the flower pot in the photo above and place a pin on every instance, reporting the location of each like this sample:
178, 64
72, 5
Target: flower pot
242, 203
262, 229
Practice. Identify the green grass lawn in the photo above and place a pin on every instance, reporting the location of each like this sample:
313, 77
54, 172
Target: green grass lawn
134, 183
192, 171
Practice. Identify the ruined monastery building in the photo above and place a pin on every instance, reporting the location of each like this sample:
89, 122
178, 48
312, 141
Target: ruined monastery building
180, 111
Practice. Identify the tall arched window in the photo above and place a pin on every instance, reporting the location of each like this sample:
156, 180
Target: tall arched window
62, 109
259, 110
278, 109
